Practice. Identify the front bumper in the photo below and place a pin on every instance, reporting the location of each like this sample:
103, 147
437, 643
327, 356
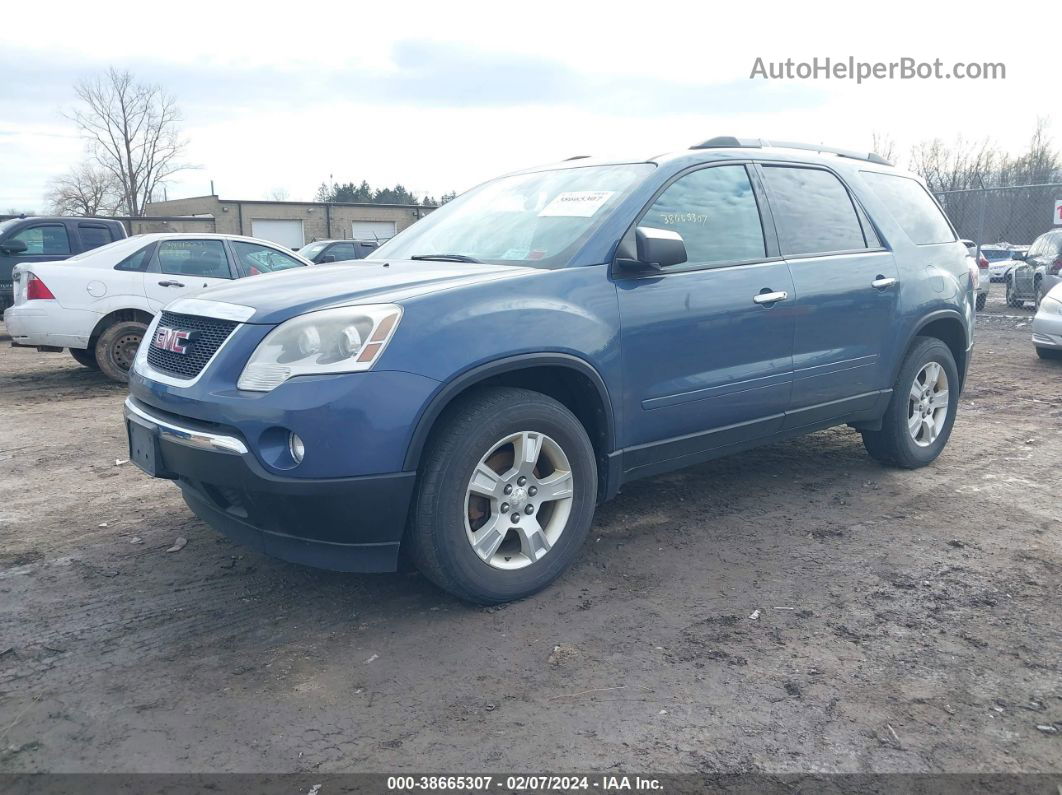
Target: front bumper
342, 524
1047, 330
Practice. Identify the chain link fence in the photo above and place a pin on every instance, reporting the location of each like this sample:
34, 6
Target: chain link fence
1014, 215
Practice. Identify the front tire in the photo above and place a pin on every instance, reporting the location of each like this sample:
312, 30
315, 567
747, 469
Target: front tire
982, 299
1013, 302
116, 348
921, 412
85, 357
505, 496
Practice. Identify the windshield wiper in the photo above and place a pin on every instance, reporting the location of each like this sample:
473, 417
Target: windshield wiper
446, 257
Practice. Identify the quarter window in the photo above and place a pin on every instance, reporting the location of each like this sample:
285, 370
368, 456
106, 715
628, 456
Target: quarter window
45, 239
204, 258
252, 259
813, 211
137, 261
715, 211
912, 207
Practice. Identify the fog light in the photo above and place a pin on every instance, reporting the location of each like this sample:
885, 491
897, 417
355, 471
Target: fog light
296, 448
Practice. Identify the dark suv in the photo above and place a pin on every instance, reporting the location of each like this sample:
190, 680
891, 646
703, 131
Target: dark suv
47, 239
472, 391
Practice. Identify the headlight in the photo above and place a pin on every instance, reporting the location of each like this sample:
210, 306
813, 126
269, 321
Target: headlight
1051, 306
344, 340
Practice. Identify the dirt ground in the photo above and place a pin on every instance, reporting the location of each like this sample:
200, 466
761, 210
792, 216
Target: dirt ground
796, 608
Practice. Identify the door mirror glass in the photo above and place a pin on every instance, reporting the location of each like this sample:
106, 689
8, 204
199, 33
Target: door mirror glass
13, 246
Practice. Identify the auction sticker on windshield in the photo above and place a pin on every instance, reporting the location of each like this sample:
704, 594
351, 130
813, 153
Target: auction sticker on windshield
576, 203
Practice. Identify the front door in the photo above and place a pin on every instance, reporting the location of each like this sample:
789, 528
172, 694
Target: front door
707, 361
184, 267
846, 285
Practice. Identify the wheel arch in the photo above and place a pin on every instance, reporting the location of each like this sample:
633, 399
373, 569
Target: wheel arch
117, 316
568, 379
948, 327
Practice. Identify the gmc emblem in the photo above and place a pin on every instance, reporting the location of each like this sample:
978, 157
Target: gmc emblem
172, 339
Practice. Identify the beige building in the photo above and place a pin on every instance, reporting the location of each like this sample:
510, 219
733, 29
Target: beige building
290, 224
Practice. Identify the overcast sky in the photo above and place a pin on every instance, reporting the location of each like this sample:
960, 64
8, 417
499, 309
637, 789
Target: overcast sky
439, 96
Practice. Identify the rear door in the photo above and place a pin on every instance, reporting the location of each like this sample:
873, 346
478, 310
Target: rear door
184, 267
845, 287
704, 364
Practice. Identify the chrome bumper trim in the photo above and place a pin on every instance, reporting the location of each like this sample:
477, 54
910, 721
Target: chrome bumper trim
189, 437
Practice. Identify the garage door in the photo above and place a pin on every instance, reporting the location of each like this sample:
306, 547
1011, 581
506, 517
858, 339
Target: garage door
286, 233
372, 230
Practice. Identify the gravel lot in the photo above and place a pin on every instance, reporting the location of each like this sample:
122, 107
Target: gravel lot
907, 621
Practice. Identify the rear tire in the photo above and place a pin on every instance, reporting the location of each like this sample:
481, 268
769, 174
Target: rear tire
1040, 292
914, 431
1048, 353
85, 357
116, 348
483, 526
1011, 300
982, 299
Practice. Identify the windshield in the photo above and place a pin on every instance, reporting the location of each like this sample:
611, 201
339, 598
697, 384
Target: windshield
10, 222
527, 219
995, 254
311, 250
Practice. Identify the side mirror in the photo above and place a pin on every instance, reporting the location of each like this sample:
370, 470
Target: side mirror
1018, 255
13, 246
328, 258
655, 249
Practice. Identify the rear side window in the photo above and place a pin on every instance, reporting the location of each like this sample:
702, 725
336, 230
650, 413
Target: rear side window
137, 261
813, 211
44, 239
715, 211
205, 258
93, 236
912, 207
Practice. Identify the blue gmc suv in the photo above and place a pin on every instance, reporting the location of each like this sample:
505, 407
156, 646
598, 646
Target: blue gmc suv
473, 389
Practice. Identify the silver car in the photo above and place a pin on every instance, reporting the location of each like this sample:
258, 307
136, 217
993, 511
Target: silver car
1047, 325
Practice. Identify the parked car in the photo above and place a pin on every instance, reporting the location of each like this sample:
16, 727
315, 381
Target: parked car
477, 386
47, 239
1000, 260
99, 303
1047, 325
981, 288
1040, 273
325, 251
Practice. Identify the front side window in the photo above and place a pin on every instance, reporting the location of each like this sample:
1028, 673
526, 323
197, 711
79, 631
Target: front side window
813, 211
253, 259
342, 251
912, 207
537, 219
94, 236
715, 211
44, 239
203, 258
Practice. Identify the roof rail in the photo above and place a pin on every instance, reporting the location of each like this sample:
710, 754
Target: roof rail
730, 142
575, 157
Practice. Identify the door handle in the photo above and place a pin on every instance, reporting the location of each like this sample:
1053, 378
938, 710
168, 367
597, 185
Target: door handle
170, 284
770, 298
882, 282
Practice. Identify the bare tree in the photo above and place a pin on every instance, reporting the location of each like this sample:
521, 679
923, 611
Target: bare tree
132, 131
884, 145
87, 189
278, 195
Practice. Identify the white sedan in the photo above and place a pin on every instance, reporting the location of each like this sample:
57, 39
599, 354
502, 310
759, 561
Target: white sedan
99, 304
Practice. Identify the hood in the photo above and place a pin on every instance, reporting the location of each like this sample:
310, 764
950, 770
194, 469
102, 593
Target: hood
276, 297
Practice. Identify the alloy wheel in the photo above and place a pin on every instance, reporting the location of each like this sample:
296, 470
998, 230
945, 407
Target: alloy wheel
518, 500
927, 404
